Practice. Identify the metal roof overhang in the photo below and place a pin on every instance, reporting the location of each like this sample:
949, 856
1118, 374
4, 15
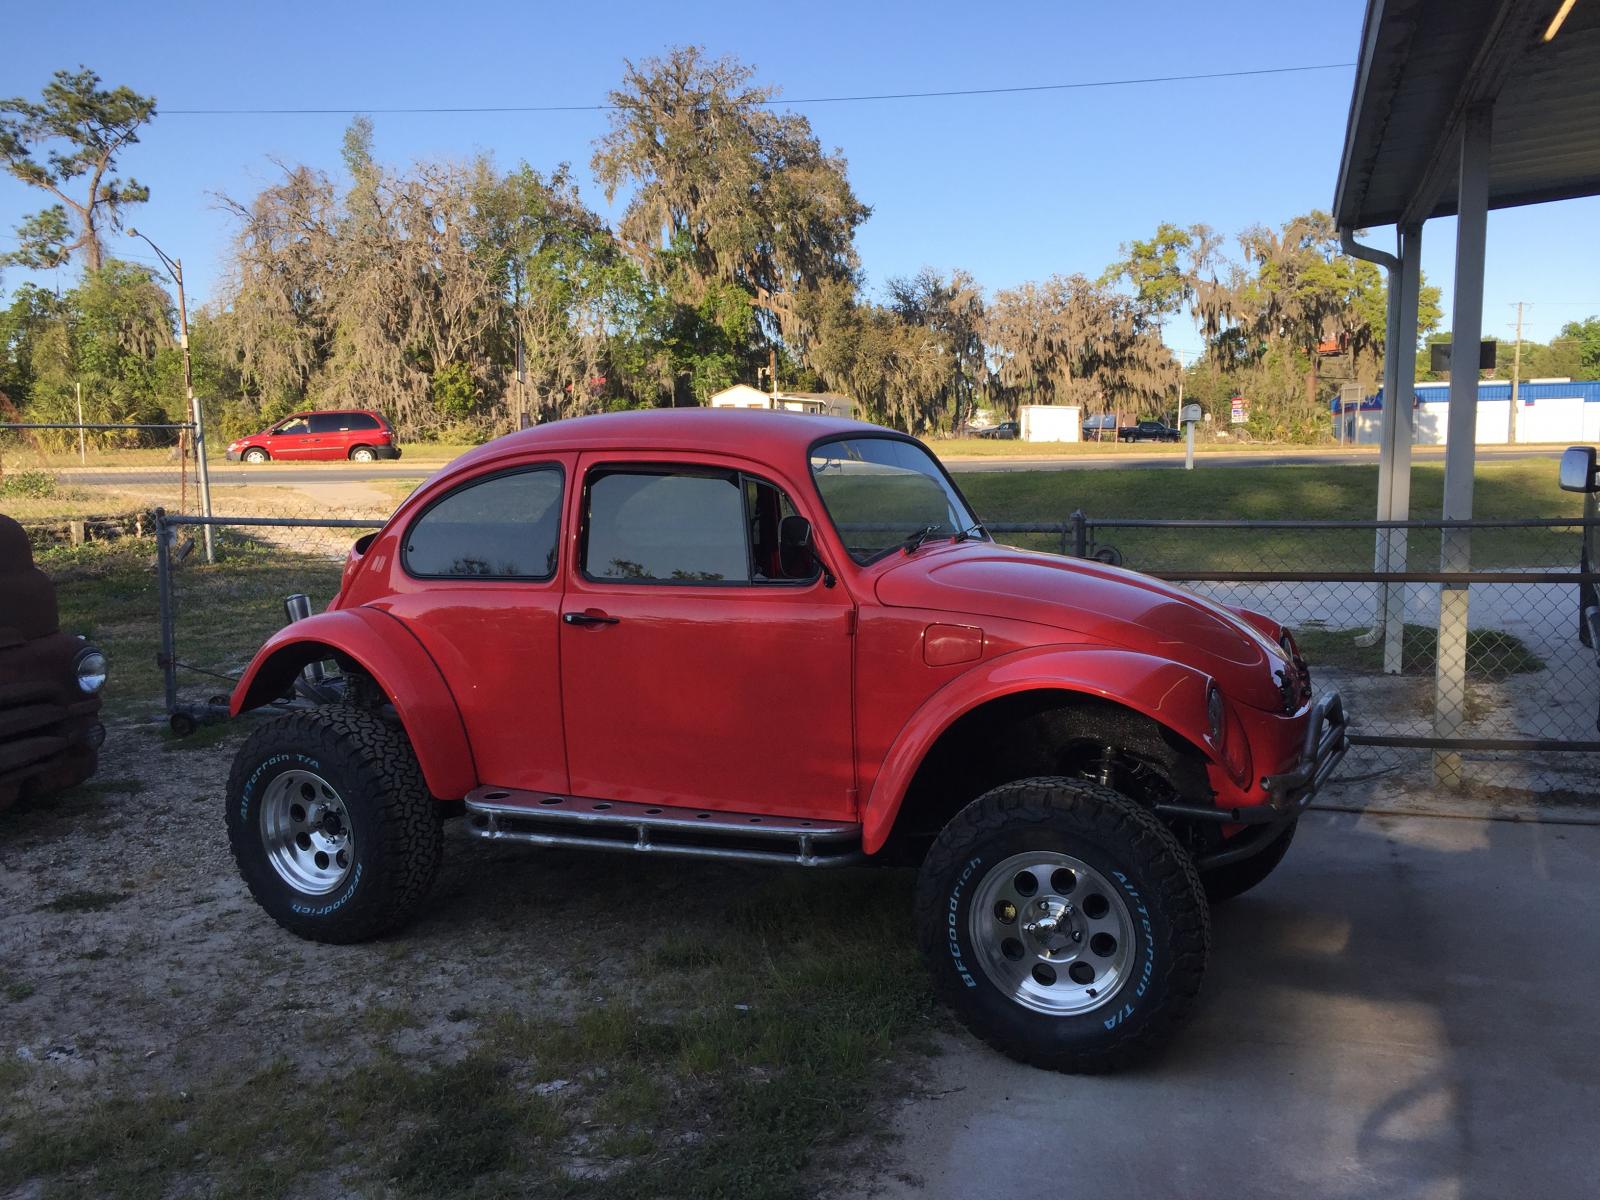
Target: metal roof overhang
1425, 63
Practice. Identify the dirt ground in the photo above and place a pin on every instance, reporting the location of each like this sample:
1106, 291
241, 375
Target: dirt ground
553, 1022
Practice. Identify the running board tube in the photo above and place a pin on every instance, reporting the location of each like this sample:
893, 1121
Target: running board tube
541, 819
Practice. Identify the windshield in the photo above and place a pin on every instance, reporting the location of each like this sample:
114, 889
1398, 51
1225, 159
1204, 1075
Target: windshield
881, 493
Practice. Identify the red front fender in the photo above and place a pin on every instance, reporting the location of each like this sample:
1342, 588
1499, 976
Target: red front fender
385, 649
1167, 692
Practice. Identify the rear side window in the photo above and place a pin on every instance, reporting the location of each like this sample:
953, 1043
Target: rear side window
503, 527
360, 421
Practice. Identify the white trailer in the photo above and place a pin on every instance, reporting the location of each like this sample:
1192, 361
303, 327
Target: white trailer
1050, 422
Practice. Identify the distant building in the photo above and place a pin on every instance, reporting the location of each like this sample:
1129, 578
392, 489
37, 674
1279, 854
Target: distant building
1550, 411
742, 395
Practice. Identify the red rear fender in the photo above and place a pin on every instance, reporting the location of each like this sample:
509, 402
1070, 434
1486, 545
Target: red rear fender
385, 649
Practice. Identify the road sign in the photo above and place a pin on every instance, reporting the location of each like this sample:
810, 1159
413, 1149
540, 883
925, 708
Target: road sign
1238, 415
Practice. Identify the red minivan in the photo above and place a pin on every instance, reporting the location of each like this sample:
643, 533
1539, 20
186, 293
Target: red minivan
357, 434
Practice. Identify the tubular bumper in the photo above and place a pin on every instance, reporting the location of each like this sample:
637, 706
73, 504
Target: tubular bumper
1289, 792
1325, 746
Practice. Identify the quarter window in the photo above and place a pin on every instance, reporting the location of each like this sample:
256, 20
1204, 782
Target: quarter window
503, 527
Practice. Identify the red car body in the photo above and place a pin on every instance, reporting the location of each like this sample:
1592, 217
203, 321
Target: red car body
360, 434
818, 700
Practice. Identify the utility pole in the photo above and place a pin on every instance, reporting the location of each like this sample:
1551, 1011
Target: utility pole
196, 415
1516, 380
83, 453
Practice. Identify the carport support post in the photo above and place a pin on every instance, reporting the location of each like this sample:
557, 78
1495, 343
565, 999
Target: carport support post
1455, 545
1398, 429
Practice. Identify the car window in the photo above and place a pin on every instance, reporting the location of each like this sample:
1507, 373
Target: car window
357, 420
880, 491
292, 427
506, 527
766, 508
327, 422
665, 527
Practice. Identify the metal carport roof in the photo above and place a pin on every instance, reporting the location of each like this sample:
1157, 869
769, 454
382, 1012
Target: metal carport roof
1425, 63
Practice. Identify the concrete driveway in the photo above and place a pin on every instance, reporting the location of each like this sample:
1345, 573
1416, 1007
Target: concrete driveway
1407, 1008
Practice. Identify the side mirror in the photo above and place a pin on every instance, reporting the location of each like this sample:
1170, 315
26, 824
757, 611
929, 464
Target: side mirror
794, 532
797, 556
1577, 469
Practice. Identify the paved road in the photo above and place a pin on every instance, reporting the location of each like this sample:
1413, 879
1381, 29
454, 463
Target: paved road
279, 474
1405, 1009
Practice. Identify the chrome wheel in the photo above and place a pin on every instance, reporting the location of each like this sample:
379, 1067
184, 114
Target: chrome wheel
306, 832
1051, 933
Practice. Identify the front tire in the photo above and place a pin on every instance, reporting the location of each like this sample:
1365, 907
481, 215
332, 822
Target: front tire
1063, 924
331, 824
256, 457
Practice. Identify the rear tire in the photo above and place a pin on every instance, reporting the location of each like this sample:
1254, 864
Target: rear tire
363, 454
331, 824
1234, 879
1063, 924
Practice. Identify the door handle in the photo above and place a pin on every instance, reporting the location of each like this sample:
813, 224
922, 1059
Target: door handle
586, 618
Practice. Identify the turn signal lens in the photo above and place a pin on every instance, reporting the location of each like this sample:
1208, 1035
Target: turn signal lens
1216, 714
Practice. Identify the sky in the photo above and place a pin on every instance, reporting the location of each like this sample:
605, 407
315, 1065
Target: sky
1010, 187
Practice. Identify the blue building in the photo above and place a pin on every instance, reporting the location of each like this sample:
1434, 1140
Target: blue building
1564, 412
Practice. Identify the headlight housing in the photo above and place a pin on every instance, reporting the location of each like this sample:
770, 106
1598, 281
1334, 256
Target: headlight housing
90, 668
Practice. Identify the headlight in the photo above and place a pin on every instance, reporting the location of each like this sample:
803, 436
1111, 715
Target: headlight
91, 670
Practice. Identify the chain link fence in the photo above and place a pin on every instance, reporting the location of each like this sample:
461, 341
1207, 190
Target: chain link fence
69, 483
1512, 705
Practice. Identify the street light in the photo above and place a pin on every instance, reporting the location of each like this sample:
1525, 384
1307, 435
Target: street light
196, 414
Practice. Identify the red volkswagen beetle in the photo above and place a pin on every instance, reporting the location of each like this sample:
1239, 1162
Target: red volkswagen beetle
360, 435
787, 639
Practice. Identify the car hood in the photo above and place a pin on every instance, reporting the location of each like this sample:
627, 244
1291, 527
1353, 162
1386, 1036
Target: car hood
1098, 602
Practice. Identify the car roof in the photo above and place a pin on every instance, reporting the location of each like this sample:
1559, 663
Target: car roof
756, 434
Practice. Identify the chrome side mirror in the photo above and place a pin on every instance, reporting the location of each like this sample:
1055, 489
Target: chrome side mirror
1577, 469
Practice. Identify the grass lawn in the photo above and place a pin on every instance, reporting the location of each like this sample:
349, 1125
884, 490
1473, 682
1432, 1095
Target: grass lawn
1492, 654
107, 591
1517, 488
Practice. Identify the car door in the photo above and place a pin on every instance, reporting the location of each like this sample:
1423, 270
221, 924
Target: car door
698, 668
480, 590
324, 439
288, 440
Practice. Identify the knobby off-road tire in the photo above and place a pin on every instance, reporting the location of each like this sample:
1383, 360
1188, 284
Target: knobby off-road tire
1234, 879
332, 825
1130, 880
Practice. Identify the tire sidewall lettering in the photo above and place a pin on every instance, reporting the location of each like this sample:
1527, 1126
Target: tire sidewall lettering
953, 921
265, 772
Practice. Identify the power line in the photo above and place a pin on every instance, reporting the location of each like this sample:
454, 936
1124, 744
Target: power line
556, 108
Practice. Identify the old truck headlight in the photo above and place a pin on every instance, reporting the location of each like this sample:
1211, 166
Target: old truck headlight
90, 667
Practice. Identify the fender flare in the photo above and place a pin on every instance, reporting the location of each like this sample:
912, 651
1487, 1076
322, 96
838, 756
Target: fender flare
381, 645
1169, 693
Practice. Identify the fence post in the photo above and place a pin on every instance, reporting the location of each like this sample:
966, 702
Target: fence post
1080, 534
165, 659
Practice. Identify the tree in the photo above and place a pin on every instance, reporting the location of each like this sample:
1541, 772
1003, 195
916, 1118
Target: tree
1585, 336
1070, 341
953, 309
725, 190
67, 145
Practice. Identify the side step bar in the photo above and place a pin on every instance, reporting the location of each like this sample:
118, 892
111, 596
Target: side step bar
541, 819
